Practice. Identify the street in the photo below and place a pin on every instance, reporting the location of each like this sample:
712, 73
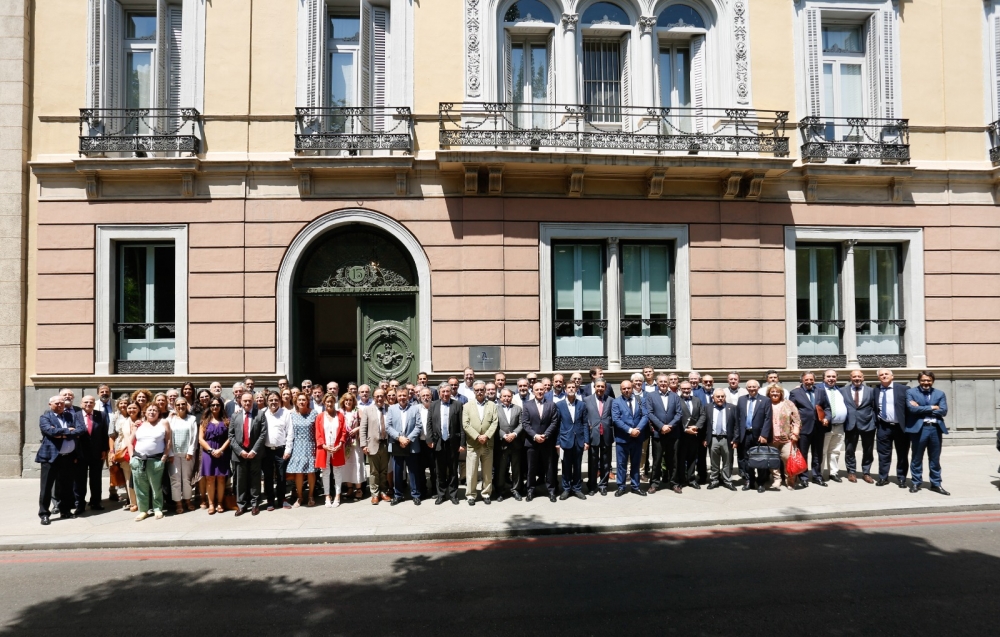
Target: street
915, 575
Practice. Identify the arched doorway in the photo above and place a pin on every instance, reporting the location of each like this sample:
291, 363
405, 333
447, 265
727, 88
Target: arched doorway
354, 308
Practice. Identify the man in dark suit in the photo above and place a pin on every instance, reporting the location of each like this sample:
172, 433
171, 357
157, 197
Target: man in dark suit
807, 397
540, 421
509, 445
860, 425
692, 425
722, 427
92, 451
628, 415
585, 391
890, 423
57, 455
926, 408
753, 428
247, 436
704, 393
573, 441
601, 438
445, 440
664, 409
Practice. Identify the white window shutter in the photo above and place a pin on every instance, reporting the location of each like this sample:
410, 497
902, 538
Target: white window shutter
873, 67
814, 76
380, 60
888, 65
550, 77
508, 70
365, 54
316, 20
996, 65
162, 54
698, 82
95, 52
175, 34
625, 50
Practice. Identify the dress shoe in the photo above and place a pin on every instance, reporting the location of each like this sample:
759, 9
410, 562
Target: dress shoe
375, 499
714, 485
901, 482
939, 489
603, 490
454, 500
639, 492
565, 495
255, 511
761, 489
868, 479
78, 513
914, 488
652, 489
96, 507
729, 485
579, 494
517, 496
851, 478
530, 496
818, 480
472, 502
385, 497
881, 482
552, 497
619, 493
486, 500
439, 500
395, 501
677, 489
416, 502
46, 521
836, 478
695, 485
271, 507
746, 486
69, 515
239, 512
500, 498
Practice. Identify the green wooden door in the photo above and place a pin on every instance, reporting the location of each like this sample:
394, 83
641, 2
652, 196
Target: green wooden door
387, 339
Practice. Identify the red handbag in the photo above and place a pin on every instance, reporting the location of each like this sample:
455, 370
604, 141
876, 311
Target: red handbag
796, 463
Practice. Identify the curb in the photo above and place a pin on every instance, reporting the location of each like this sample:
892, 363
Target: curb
539, 530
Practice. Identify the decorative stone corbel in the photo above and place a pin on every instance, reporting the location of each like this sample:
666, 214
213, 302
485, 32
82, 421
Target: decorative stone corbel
576, 183
656, 184
569, 21
401, 186
187, 184
811, 187
471, 179
305, 183
93, 187
731, 185
646, 24
496, 179
756, 184
896, 189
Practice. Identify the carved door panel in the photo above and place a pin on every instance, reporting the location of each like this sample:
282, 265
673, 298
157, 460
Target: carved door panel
387, 339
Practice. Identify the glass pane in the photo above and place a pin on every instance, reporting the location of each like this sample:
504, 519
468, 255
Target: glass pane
666, 78
139, 67
802, 288
862, 287
341, 79
851, 92
528, 10
140, 26
659, 282
632, 281
829, 101
680, 15
517, 72
604, 13
591, 274
885, 268
163, 290
826, 288
539, 74
842, 40
133, 290
602, 75
564, 278
345, 28
683, 61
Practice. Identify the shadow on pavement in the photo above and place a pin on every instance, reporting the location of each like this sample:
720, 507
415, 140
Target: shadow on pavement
829, 579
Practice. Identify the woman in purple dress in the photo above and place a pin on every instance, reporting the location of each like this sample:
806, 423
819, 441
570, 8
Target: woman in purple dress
213, 436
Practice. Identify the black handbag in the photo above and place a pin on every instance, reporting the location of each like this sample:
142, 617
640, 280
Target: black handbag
763, 457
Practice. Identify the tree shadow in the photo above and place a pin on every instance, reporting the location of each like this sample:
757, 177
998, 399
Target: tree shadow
821, 579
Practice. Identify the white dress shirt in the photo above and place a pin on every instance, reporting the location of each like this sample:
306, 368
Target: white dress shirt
571, 406
838, 409
277, 427
890, 403
425, 422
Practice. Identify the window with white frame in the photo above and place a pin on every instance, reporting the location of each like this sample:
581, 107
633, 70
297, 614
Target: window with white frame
606, 64
680, 34
877, 300
528, 75
578, 300
817, 278
146, 301
647, 315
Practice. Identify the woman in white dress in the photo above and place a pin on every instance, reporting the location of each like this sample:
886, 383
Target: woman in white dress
354, 468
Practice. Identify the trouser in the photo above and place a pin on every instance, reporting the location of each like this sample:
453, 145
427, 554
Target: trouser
785, 450
474, 456
833, 447
378, 471
813, 443
667, 455
148, 476
572, 469
446, 461
542, 461
929, 438
702, 457
427, 463
646, 444
509, 459
180, 470
754, 477
401, 465
628, 461
130, 483
656, 468
87, 471
273, 466
246, 482
337, 473
599, 465
56, 475
888, 436
867, 450
720, 451
686, 469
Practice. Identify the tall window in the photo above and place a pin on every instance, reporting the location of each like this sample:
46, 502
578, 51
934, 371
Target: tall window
818, 308
146, 302
876, 300
344, 33
675, 82
647, 305
606, 80
529, 63
578, 291
843, 65
680, 31
140, 51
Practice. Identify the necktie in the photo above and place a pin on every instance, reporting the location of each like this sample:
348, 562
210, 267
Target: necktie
857, 396
833, 410
600, 412
884, 405
444, 426
90, 424
812, 399
381, 424
631, 409
750, 404
246, 431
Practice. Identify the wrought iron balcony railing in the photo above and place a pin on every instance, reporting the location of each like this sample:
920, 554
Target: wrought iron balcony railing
354, 128
855, 138
994, 131
139, 131
631, 128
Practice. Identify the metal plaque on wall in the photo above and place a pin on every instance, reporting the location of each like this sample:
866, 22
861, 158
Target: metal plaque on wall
484, 358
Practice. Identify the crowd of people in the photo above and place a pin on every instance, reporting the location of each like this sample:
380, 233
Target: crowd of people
196, 450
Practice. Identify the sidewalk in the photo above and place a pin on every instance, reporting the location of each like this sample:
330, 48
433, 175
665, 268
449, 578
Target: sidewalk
970, 474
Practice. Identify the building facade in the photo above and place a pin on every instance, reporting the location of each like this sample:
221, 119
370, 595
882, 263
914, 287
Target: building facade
370, 188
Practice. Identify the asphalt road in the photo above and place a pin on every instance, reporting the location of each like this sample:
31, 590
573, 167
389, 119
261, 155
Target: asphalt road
928, 575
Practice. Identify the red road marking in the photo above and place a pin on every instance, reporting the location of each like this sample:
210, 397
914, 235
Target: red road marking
454, 546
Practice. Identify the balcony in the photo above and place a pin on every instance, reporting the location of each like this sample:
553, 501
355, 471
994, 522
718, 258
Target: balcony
139, 132
994, 132
583, 127
353, 130
854, 139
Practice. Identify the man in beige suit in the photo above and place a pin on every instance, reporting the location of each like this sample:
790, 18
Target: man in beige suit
375, 445
479, 421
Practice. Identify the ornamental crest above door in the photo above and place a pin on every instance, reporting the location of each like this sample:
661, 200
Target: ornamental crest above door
357, 262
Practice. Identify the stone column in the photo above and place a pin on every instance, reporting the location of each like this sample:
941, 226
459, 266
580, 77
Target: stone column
850, 313
14, 51
645, 86
565, 42
613, 333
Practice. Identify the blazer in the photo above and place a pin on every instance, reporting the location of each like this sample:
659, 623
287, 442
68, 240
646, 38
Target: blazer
702, 395
91, 445
899, 398
326, 436
862, 416
588, 390
454, 422
406, 424
258, 434
512, 426
660, 416
807, 411
731, 422
915, 415
573, 431
370, 430
55, 431
233, 406
623, 420
760, 424
693, 418
596, 420
475, 427
534, 425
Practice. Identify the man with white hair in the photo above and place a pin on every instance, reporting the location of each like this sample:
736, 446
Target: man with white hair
56, 456
234, 404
